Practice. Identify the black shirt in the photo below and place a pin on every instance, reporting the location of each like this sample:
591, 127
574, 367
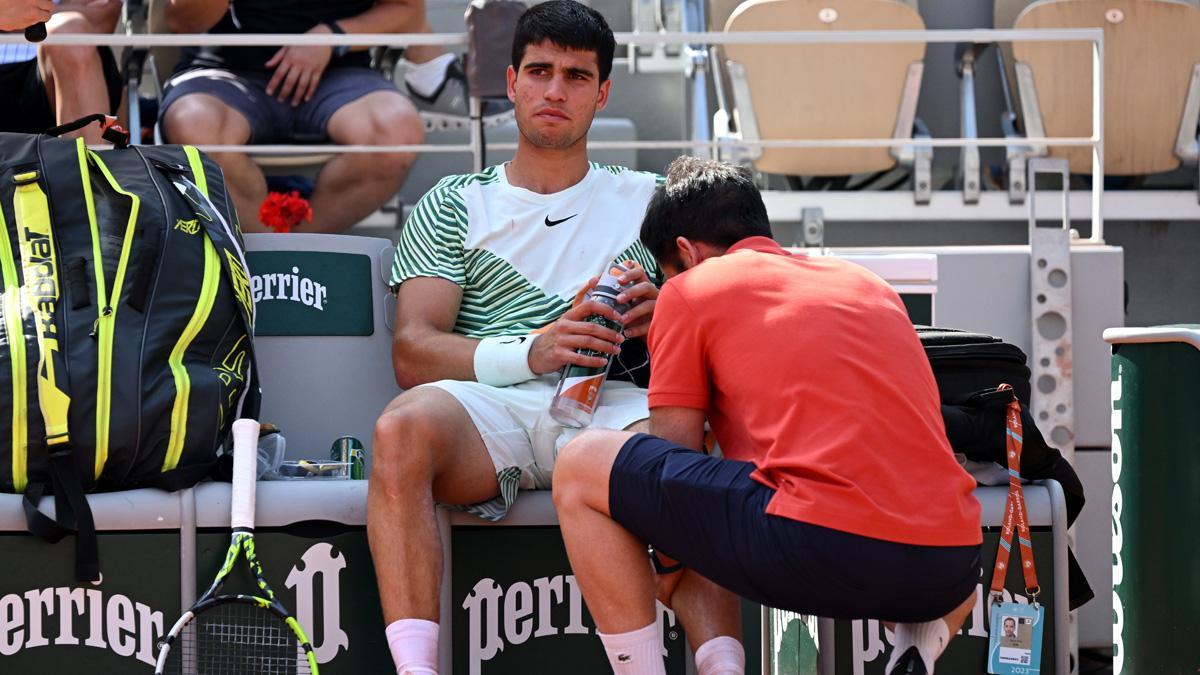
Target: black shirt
272, 16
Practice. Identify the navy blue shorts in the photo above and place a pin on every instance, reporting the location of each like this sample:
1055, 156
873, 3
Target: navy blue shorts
711, 516
272, 121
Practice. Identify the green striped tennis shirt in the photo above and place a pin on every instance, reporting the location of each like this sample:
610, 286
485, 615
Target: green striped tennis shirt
521, 257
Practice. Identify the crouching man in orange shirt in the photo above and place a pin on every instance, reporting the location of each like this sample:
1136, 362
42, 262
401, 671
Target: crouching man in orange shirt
838, 494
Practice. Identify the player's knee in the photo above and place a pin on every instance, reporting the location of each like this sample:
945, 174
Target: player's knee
401, 449
596, 441
576, 467
69, 61
379, 120
200, 119
566, 472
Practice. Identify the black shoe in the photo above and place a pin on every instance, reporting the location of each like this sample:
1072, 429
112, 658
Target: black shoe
910, 663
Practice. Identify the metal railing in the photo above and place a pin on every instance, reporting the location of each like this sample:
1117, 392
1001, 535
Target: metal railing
977, 36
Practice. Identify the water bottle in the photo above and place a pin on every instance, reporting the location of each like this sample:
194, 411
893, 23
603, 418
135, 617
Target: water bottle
578, 390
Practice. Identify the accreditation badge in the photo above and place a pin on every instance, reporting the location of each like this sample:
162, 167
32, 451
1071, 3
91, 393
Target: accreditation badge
1015, 639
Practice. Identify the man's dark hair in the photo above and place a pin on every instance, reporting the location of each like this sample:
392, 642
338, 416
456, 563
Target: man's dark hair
569, 25
705, 201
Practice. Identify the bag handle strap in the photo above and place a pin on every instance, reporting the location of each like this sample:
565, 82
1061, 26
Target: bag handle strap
72, 514
53, 392
110, 131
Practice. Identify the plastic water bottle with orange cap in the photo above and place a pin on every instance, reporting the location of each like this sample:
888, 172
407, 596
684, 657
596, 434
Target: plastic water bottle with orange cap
579, 387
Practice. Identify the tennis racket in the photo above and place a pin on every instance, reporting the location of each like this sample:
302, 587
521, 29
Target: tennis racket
238, 634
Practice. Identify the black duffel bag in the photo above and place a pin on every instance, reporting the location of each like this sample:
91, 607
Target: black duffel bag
968, 368
126, 323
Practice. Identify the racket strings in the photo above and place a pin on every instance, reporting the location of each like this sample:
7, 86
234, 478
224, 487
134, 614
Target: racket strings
237, 639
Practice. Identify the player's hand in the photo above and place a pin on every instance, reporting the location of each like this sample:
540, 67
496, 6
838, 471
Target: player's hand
642, 296
20, 14
298, 70
559, 345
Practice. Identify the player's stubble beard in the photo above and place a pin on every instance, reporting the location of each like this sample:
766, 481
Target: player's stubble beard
552, 141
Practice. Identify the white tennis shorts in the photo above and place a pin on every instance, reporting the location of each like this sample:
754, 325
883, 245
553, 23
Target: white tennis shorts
521, 437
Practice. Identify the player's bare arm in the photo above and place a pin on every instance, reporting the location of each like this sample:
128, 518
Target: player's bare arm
100, 14
423, 347
298, 68
385, 16
17, 14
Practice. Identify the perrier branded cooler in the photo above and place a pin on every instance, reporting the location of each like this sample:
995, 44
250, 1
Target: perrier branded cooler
1155, 508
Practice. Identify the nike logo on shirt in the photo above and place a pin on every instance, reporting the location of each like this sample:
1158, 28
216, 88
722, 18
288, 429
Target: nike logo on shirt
552, 223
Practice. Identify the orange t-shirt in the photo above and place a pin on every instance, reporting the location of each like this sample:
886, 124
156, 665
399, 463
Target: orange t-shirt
810, 368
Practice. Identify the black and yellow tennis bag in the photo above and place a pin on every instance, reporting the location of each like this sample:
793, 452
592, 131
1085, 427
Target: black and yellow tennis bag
126, 323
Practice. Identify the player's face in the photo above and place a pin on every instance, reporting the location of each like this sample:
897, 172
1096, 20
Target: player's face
556, 93
1010, 627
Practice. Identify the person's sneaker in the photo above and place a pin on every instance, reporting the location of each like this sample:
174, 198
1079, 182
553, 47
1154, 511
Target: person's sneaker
909, 663
449, 107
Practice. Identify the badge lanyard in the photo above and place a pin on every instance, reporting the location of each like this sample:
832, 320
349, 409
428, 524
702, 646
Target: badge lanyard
1014, 510
1015, 640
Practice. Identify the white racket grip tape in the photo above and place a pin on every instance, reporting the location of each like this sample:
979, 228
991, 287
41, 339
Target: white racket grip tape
245, 473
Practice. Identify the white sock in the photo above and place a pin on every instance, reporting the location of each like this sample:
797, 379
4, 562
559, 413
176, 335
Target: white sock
929, 638
426, 78
721, 656
414, 646
638, 652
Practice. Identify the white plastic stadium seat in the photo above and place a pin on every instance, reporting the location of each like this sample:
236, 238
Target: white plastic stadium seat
795, 91
1151, 68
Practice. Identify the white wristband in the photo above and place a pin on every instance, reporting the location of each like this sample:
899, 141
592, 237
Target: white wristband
501, 361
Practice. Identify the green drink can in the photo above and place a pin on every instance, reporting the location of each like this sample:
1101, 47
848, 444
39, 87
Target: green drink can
349, 449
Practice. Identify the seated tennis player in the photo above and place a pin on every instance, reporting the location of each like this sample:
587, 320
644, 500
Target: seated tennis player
838, 494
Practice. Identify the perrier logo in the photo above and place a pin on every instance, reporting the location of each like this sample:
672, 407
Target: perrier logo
187, 226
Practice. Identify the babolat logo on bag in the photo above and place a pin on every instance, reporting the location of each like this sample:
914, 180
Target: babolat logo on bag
311, 293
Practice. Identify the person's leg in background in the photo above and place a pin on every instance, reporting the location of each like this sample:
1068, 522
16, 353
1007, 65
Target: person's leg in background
436, 80
74, 75
351, 186
204, 119
424, 65
616, 578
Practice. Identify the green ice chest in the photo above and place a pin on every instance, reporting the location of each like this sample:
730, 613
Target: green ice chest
1155, 509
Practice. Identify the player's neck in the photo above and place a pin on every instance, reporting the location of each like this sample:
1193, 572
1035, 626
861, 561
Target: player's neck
546, 171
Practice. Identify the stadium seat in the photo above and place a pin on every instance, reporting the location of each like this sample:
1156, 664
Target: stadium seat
794, 91
335, 349
1151, 80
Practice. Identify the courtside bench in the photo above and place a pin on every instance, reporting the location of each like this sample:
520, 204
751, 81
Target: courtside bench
511, 604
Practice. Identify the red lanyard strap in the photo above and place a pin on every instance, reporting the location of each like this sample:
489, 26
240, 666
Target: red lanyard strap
1014, 509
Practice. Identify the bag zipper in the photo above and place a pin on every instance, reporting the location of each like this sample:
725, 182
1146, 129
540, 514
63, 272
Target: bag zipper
107, 302
14, 328
208, 295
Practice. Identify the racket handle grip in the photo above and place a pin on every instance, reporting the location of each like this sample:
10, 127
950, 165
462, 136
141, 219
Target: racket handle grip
245, 473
